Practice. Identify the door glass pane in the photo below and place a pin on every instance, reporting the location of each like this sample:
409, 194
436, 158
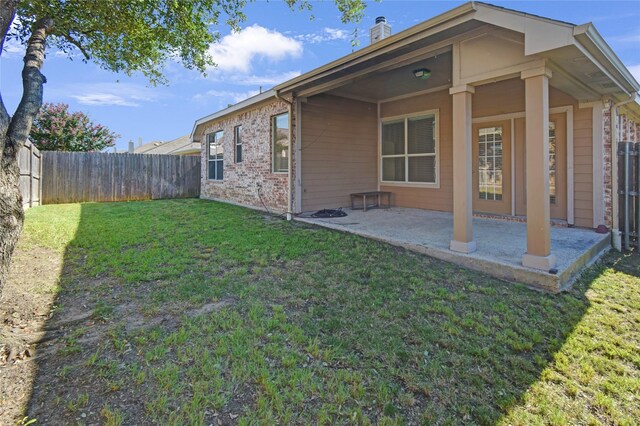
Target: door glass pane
422, 169
393, 138
393, 169
421, 135
490, 163
552, 162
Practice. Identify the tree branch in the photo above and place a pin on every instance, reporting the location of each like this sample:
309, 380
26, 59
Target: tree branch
77, 44
32, 81
7, 14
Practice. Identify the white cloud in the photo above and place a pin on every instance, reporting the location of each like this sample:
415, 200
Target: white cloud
12, 49
266, 80
327, 34
237, 51
635, 70
104, 99
225, 95
108, 94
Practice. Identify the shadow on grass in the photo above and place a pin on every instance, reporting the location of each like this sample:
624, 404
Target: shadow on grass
196, 312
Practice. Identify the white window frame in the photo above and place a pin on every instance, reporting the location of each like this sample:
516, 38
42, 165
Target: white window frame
237, 136
273, 141
436, 134
209, 160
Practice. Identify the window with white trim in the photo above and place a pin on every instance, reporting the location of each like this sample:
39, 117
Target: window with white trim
410, 150
552, 163
237, 141
215, 157
490, 163
280, 142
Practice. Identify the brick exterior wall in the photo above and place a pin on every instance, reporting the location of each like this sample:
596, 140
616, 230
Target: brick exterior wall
628, 130
250, 182
606, 169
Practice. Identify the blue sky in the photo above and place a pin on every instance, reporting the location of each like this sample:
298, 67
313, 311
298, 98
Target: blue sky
275, 45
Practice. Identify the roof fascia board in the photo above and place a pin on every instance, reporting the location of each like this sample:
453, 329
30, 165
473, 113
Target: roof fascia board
436, 24
234, 108
589, 36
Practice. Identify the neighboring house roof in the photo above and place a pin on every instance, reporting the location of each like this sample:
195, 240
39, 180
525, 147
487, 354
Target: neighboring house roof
179, 146
583, 63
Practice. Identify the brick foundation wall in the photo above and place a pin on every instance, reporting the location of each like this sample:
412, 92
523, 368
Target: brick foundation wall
250, 182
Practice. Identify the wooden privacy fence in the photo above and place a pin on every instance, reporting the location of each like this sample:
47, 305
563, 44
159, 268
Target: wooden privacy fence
29, 159
629, 193
72, 177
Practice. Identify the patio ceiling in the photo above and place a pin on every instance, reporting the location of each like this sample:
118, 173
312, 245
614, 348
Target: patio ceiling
399, 81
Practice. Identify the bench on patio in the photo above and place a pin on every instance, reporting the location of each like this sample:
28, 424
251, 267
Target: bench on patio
377, 195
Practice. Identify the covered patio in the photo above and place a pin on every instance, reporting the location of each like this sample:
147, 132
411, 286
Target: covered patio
500, 243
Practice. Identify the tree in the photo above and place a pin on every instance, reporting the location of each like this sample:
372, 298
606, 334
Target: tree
126, 36
57, 129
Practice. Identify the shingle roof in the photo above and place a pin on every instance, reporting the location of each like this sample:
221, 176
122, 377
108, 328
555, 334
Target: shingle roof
180, 145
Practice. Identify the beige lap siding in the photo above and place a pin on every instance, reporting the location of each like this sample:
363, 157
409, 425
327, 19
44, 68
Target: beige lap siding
583, 167
243, 182
427, 198
494, 99
509, 96
339, 150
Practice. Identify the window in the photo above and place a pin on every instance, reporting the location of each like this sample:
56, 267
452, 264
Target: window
237, 140
409, 150
215, 160
552, 162
280, 140
490, 163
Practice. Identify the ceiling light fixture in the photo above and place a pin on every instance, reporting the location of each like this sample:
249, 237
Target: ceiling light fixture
422, 73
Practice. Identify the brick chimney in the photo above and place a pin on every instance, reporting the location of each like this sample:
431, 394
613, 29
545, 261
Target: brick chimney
380, 30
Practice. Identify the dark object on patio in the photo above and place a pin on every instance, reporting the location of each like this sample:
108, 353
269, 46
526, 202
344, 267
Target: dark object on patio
602, 229
329, 213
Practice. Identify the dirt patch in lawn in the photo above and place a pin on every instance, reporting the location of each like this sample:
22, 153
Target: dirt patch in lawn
37, 327
25, 308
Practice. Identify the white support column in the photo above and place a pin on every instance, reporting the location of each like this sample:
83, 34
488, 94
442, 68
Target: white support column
538, 253
462, 171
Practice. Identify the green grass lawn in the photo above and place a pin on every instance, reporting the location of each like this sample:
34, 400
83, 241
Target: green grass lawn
306, 325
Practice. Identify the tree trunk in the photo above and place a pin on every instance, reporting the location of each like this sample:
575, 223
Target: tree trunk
14, 132
11, 215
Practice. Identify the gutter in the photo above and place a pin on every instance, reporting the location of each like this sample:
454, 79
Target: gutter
289, 155
591, 40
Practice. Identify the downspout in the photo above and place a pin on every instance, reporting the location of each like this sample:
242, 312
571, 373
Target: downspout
289, 156
615, 232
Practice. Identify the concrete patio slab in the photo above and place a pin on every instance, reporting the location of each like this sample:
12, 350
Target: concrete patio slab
500, 244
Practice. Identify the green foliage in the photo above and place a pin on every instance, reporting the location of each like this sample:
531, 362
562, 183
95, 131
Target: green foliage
141, 35
57, 129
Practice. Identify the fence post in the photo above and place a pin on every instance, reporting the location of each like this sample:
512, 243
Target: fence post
40, 159
638, 196
30, 173
627, 163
